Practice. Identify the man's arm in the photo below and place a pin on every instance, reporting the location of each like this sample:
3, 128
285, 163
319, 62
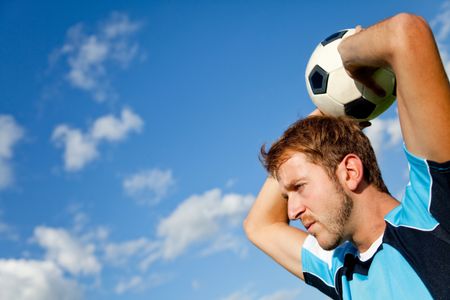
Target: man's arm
267, 226
406, 44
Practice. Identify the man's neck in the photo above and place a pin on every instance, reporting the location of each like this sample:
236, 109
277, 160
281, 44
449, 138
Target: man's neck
370, 208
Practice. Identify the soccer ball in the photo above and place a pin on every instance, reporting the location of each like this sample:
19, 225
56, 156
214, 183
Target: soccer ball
335, 93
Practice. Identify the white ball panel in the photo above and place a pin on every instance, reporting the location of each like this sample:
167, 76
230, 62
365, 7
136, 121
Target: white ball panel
313, 60
342, 87
385, 79
327, 57
328, 105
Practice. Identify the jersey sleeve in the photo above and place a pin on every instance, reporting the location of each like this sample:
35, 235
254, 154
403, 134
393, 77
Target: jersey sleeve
426, 203
320, 266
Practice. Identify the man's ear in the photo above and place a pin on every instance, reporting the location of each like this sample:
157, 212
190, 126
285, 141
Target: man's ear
351, 171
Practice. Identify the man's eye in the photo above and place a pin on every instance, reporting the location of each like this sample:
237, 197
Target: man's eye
298, 187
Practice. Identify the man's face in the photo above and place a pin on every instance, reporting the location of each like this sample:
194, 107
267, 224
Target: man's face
319, 202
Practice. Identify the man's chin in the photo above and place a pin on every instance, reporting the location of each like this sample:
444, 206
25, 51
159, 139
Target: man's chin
328, 244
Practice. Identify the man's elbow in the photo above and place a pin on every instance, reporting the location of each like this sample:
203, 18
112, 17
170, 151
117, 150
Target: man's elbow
253, 230
249, 227
410, 30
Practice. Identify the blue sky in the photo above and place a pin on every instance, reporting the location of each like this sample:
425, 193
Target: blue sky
129, 139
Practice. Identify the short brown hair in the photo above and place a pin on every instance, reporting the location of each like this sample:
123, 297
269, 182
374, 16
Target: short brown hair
325, 141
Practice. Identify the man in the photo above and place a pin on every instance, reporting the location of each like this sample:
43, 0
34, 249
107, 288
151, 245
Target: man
361, 243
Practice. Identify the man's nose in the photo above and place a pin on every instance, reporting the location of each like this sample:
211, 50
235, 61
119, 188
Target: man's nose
295, 207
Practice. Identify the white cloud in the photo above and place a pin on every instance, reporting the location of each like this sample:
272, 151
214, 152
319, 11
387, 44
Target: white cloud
142, 283
150, 258
10, 134
199, 218
119, 25
226, 241
244, 294
67, 251
91, 55
149, 186
6, 230
231, 183
248, 294
196, 285
442, 22
445, 56
283, 295
120, 254
384, 134
81, 148
112, 129
129, 284
35, 280
6, 174
441, 27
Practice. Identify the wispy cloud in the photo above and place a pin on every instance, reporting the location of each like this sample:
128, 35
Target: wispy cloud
196, 221
199, 218
384, 134
85, 250
90, 54
81, 148
128, 284
138, 284
290, 294
247, 293
10, 134
243, 294
22, 279
226, 242
112, 129
7, 231
441, 27
149, 186
67, 251
120, 254
68, 256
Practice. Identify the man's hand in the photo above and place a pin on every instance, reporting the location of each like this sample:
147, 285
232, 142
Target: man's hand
317, 112
405, 44
361, 73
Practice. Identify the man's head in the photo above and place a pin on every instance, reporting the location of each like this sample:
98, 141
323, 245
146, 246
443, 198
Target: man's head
319, 162
325, 141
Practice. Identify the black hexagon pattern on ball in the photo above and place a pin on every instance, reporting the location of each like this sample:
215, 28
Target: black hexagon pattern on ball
318, 80
359, 108
333, 37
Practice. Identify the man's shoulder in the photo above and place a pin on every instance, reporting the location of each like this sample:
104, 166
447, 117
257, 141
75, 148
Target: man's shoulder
424, 202
330, 257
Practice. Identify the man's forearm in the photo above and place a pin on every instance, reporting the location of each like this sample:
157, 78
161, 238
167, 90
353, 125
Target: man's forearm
267, 226
269, 208
406, 44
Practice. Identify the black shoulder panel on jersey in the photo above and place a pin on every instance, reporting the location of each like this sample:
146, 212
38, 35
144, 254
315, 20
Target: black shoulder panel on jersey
428, 253
440, 193
316, 282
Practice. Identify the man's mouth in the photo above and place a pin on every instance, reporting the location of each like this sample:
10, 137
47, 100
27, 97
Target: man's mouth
308, 224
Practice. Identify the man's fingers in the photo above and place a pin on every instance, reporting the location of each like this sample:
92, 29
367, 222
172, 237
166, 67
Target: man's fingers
365, 76
364, 124
316, 112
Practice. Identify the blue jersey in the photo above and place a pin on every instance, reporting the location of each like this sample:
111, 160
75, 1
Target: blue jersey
411, 260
